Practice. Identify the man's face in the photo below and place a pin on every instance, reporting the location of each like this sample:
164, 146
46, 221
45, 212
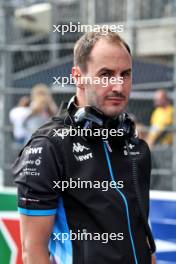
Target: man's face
160, 99
108, 61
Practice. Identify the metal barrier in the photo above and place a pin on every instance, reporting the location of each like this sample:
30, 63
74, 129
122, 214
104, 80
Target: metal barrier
28, 56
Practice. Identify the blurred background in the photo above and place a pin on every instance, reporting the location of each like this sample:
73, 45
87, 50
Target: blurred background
31, 54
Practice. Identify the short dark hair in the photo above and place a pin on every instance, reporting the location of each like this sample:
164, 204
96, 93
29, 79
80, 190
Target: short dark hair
85, 44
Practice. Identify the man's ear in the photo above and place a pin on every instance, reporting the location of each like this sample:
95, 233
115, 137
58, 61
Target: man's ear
77, 76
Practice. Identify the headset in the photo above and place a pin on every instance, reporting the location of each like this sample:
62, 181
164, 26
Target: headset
93, 118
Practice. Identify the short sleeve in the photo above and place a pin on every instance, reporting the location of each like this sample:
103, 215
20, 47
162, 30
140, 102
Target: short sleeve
36, 169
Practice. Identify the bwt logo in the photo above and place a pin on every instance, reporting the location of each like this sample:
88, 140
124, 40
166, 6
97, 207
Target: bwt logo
34, 151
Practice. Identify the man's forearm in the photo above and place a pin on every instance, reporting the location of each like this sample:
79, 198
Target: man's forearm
36, 256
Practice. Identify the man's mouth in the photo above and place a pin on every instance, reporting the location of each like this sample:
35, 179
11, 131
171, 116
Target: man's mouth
116, 99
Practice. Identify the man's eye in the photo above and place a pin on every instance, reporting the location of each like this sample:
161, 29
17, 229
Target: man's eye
126, 74
105, 74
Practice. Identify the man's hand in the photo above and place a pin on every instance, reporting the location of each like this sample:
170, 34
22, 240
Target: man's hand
153, 259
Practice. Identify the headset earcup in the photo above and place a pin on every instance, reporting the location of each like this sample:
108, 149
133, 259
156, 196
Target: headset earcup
127, 124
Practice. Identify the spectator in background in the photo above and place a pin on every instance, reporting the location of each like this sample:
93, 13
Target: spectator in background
161, 120
17, 116
41, 109
41, 91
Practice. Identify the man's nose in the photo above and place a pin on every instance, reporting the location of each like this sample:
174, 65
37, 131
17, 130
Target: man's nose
118, 85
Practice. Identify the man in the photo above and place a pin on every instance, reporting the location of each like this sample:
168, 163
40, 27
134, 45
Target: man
22, 111
42, 107
109, 226
161, 120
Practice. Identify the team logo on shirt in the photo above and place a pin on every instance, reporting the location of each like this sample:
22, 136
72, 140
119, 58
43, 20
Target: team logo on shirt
131, 147
31, 163
78, 148
33, 151
36, 162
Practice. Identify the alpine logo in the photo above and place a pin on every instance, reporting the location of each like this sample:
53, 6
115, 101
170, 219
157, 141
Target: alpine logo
78, 148
33, 150
130, 146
